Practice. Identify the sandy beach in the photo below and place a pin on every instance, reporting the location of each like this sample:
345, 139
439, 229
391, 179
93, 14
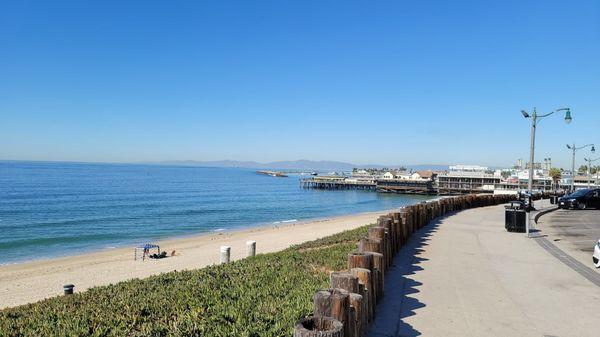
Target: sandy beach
33, 281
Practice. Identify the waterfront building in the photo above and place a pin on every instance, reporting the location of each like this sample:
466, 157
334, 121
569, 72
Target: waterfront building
424, 175
462, 179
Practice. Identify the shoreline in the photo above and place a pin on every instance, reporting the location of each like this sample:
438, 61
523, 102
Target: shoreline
174, 238
31, 281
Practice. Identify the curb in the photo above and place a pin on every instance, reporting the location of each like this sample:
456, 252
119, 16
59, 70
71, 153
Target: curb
539, 214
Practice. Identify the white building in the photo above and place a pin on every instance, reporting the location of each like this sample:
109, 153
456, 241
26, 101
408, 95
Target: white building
468, 168
388, 175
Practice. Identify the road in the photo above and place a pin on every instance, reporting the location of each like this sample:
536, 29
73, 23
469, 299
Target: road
579, 228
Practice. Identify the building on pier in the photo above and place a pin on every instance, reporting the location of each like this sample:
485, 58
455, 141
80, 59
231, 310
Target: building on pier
406, 186
339, 183
467, 179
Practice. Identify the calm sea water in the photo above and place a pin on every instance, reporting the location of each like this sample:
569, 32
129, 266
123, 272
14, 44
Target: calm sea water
57, 209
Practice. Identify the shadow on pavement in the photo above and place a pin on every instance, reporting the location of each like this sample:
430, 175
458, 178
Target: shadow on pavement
397, 303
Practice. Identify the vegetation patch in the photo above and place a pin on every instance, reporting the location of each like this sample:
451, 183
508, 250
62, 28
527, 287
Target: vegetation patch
259, 296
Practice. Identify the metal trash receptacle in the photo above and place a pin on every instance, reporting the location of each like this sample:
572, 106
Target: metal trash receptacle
515, 217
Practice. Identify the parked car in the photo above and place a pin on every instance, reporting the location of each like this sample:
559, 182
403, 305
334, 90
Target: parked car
596, 256
581, 199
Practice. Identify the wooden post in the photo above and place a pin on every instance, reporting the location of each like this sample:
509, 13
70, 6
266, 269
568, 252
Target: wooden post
405, 219
322, 303
365, 307
335, 303
318, 327
356, 303
349, 282
360, 260
389, 252
379, 233
251, 248
397, 233
370, 245
363, 261
225, 254
344, 280
364, 277
379, 274
386, 222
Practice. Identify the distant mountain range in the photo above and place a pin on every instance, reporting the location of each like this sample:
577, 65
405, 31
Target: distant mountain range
301, 165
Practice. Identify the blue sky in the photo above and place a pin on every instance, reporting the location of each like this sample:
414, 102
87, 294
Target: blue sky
398, 82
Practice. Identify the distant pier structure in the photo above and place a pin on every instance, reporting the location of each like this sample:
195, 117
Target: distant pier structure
372, 184
338, 183
427, 187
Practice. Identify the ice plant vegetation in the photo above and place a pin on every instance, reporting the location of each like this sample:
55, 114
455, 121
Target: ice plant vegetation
260, 296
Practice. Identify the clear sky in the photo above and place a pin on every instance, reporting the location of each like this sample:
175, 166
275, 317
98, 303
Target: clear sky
398, 82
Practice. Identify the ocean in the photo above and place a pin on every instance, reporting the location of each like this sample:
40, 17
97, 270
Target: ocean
58, 209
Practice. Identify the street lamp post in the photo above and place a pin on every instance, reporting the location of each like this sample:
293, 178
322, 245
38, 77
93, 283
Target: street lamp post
589, 167
575, 149
534, 120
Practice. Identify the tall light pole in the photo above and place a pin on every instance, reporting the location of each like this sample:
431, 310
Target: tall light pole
575, 149
534, 119
589, 167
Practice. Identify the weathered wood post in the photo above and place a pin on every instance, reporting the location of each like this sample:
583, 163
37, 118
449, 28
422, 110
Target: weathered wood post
364, 261
318, 327
387, 223
378, 275
404, 216
251, 248
322, 303
344, 280
397, 232
360, 321
335, 303
225, 254
379, 233
349, 282
370, 245
367, 245
364, 277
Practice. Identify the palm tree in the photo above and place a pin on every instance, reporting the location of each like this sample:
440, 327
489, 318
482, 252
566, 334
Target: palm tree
555, 174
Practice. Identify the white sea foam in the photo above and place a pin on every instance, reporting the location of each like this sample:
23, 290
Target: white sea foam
285, 221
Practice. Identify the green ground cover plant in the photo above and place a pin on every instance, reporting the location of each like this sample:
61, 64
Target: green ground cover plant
260, 296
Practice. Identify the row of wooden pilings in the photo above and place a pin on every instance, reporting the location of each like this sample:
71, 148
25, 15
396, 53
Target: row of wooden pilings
349, 306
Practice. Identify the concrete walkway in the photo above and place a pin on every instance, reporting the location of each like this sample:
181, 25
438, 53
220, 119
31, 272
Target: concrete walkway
464, 275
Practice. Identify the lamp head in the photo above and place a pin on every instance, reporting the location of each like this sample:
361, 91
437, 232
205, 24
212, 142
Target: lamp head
568, 146
525, 114
568, 117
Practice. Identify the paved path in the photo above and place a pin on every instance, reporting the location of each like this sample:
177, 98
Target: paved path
464, 275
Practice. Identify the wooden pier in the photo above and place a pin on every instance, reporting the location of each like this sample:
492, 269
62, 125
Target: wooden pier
383, 185
406, 186
337, 183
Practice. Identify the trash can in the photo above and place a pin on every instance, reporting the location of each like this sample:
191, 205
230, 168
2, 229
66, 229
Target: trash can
515, 217
554, 200
68, 289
